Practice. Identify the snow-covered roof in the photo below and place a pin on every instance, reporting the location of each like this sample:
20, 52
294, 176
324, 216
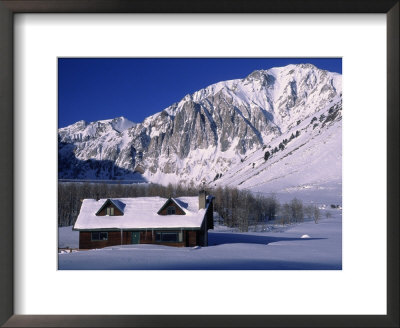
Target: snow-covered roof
140, 213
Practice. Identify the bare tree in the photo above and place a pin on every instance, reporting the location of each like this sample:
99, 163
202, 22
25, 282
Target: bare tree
316, 214
272, 207
297, 214
285, 213
308, 211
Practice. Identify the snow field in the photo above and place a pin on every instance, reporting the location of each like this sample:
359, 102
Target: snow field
280, 249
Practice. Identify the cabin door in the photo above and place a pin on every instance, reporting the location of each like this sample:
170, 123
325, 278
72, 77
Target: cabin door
135, 237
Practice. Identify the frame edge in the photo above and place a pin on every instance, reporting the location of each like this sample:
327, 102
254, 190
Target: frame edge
6, 164
6, 194
393, 146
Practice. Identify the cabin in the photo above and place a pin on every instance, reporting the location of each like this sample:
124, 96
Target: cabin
182, 222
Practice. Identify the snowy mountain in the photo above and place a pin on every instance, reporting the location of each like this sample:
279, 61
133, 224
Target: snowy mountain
220, 135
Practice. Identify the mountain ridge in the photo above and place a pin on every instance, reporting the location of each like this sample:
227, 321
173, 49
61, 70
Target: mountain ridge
206, 133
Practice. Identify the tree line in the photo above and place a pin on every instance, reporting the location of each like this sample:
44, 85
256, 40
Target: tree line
237, 208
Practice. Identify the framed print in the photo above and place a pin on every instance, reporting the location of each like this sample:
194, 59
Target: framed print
56, 48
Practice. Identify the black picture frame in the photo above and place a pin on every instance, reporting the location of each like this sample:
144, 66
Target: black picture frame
10, 7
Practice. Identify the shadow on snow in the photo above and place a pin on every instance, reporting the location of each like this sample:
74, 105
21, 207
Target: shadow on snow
219, 238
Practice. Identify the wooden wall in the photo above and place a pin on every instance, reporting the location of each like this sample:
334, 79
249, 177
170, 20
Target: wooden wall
189, 238
114, 238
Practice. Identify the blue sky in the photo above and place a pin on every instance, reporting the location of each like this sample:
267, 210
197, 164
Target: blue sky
94, 89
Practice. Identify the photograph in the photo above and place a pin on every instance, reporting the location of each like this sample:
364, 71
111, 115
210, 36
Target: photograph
199, 163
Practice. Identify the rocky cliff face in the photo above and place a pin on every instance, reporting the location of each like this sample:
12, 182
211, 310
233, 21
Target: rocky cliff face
203, 135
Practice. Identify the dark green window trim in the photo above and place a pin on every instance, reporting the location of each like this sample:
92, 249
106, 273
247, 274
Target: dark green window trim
168, 236
99, 236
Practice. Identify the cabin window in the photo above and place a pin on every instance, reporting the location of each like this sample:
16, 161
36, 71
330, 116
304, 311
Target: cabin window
169, 237
171, 210
99, 235
110, 211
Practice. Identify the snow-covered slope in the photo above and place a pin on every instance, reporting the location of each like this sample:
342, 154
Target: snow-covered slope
216, 134
310, 161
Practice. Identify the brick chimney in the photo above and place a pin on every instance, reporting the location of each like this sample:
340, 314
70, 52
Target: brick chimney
202, 199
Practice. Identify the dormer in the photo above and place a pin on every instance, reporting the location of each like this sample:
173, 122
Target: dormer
111, 207
172, 207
